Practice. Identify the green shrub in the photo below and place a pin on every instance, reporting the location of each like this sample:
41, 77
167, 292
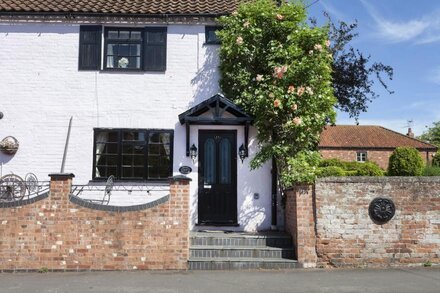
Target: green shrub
431, 171
436, 159
368, 169
331, 162
352, 168
330, 171
405, 161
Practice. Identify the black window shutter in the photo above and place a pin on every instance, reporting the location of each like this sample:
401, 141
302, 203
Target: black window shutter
155, 51
90, 47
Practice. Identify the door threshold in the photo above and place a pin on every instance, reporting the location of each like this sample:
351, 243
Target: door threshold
217, 225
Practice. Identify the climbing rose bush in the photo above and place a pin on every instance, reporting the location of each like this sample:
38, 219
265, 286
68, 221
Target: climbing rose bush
278, 69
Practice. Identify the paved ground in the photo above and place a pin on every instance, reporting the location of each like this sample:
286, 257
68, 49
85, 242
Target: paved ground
341, 281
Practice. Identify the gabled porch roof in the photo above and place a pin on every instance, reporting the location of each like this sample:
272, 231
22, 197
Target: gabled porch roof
217, 106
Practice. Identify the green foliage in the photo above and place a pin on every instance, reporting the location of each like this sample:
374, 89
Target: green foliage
427, 264
302, 168
431, 171
43, 270
278, 69
331, 162
331, 171
432, 135
436, 159
405, 161
350, 168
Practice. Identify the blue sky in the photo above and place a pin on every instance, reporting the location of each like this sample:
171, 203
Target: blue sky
406, 35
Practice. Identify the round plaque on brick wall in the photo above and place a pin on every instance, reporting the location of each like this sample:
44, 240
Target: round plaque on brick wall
381, 210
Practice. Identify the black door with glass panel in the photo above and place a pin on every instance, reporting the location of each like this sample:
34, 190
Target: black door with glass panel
217, 202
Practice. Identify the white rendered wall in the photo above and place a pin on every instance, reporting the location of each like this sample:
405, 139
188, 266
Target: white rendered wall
41, 88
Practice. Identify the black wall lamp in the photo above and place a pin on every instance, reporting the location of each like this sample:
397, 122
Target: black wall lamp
193, 153
242, 153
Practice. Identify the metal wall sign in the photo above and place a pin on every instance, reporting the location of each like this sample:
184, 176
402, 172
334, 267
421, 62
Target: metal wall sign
185, 170
381, 210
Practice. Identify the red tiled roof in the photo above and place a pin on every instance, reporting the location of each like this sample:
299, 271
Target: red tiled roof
367, 136
121, 6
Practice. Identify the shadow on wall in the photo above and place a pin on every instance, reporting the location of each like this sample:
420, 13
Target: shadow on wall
4, 159
40, 29
252, 214
194, 208
206, 81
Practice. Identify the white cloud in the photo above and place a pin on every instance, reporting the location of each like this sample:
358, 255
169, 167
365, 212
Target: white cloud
434, 75
422, 30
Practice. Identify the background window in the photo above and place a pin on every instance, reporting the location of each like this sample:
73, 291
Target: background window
210, 35
361, 156
133, 154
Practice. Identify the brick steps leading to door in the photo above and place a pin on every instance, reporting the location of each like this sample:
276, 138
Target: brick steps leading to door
218, 250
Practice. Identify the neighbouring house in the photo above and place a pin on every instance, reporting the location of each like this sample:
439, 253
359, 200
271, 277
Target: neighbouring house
363, 143
140, 79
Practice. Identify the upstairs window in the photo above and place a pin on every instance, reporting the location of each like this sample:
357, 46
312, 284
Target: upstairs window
125, 49
361, 157
133, 154
211, 35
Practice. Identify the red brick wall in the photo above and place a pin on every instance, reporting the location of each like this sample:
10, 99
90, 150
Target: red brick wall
56, 234
380, 157
347, 237
300, 223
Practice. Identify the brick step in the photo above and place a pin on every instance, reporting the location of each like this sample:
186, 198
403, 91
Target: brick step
240, 239
211, 251
240, 264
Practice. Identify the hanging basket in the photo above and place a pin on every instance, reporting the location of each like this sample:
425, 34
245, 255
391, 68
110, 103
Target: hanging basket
9, 145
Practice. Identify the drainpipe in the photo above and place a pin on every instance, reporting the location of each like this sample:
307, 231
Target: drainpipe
274, 194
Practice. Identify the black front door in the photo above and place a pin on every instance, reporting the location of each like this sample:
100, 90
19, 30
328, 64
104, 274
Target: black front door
217, 204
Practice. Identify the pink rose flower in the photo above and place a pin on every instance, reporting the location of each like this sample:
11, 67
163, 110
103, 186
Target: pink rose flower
259, 77
294, 107
276, 103
278, 72
297, 121
327, 43
246, 24
291, 89
280, 17
309, 90
301, 91
239, 41
318, 47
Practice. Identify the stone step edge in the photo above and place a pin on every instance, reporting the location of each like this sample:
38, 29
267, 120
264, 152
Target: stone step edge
229, 236
241, 259
214, 247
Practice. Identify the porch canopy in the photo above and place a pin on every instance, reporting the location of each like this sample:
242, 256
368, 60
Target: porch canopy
216, 110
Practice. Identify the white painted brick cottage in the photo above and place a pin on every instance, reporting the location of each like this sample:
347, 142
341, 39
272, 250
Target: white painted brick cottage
125, 71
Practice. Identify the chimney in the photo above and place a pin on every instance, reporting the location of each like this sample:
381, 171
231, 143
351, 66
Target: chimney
410, 133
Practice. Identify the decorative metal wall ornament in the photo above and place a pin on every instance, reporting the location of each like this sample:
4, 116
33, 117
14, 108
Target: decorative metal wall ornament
381, 210
9, 145
185, 170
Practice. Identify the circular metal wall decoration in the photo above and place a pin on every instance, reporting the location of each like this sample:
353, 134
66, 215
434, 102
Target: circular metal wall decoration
9, 145
185, 170
381, 210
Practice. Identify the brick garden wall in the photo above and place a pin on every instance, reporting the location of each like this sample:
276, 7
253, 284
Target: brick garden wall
344, 234
56, 234
380, 157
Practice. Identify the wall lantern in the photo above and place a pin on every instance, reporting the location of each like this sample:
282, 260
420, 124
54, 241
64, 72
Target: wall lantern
193, 153
242, 153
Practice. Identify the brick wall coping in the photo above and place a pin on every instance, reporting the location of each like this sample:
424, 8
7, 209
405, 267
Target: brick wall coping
378, 179
19, 203
62, 175
118, 209
180, 178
